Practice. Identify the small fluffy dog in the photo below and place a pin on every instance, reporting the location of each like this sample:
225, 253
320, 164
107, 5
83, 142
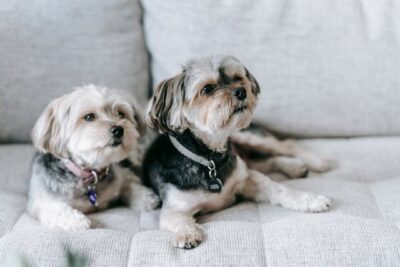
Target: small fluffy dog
85, 158
192, 166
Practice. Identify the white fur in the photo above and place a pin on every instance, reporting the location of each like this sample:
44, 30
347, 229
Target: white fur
179, 207
62, 132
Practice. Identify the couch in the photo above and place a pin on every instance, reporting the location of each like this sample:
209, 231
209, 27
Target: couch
330, 76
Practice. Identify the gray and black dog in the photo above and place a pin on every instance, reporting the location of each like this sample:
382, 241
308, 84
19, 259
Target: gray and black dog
192, 165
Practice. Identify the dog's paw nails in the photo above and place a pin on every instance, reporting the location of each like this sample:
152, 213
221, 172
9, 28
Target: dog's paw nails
306, 202
317, 203
188, 239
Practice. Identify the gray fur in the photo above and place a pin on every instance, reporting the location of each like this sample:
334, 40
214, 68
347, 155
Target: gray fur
60, 181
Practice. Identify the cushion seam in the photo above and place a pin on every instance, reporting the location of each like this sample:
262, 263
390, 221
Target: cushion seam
262, 236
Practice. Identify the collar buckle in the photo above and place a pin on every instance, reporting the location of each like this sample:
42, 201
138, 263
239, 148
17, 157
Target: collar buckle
212, 169
215, 184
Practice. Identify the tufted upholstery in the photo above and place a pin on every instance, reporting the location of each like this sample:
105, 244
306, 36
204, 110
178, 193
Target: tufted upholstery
362, 229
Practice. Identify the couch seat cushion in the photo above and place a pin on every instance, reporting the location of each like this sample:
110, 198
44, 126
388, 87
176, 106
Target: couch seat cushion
362, 229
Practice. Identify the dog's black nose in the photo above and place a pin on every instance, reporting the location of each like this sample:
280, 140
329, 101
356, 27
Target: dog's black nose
240, 93
117, 131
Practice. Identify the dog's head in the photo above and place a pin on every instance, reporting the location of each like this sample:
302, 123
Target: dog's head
211, 95
93, 125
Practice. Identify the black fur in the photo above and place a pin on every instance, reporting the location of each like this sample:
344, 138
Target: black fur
255, 87
223, 78
126, 163
163, 164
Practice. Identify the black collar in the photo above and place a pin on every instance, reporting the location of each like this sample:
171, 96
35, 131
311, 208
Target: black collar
218, 164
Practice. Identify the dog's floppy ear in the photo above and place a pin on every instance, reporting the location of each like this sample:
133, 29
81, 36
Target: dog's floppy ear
138, 117
46, 134
164, 113
255, 87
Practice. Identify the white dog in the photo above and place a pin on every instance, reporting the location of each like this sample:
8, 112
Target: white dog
85, 158
192, 166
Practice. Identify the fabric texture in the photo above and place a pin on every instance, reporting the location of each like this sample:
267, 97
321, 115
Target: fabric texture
326, 68
49, 47
362, 229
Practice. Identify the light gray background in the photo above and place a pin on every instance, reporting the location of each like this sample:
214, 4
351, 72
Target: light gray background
326, 68
49, 47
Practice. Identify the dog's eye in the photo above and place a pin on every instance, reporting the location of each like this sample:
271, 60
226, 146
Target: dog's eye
89, 117
237, 78
207, 89
121, 114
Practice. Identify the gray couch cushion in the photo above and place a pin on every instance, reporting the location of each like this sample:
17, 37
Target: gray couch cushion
326, 68
49, 47
362, 229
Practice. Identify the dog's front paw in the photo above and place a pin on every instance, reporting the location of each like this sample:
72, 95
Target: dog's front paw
188, 239
306, 202
150, 201
146, 201
310, 202
295, 168
316, 203
317, 164
321, 165
67, 219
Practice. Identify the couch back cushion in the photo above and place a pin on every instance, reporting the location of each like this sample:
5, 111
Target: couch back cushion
326, 68
49, 47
